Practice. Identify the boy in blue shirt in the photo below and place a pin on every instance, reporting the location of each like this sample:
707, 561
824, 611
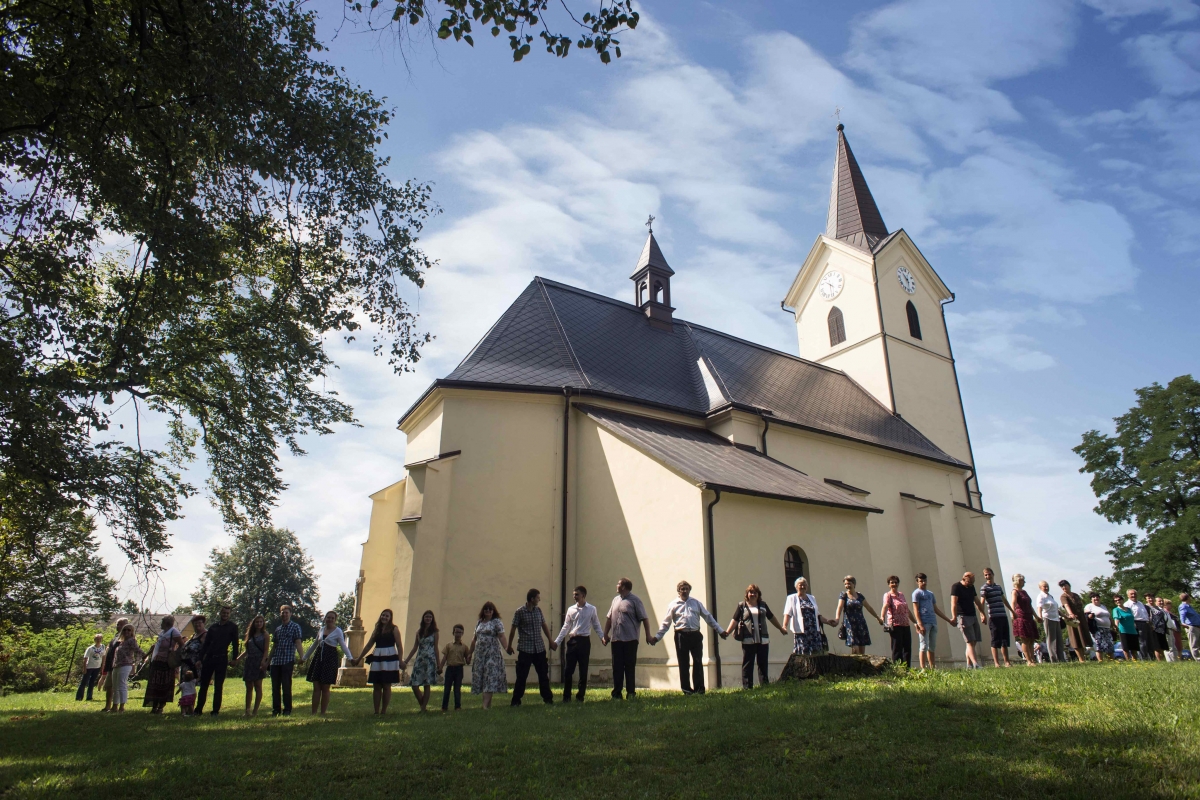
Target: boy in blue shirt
925, 614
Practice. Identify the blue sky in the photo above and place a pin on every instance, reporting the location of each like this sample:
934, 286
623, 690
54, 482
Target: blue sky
1043, 154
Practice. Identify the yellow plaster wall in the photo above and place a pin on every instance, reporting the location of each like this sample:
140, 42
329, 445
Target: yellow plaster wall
751, 537
379, 551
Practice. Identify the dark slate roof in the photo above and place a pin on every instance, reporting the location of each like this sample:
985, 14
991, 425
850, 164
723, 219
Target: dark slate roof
652, 256
853, 216
556, 336
714, 463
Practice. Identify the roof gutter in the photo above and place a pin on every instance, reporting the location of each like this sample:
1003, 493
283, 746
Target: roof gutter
712, 581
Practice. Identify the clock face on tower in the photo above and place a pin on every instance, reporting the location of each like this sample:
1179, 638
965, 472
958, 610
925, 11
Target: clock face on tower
907, 281
830, 285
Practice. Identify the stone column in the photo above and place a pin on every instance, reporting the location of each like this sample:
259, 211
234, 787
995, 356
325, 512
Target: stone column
356, 636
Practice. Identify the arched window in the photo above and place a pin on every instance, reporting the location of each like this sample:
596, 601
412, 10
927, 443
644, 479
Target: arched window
658, 291
914, 322
837, 327
795, 565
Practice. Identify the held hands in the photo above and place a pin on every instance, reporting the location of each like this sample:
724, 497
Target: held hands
724, 634
509, 650
604, 641
554, 645
650, 640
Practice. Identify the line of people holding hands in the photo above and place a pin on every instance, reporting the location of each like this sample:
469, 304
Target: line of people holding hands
1147, 630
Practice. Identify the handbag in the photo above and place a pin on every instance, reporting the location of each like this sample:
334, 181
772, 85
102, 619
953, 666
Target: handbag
175, 658
741, 632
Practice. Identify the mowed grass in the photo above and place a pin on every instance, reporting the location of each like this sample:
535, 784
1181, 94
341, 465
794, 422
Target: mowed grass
1095, 731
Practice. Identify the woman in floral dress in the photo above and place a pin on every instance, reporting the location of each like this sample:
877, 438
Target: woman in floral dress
1024, 628
425, 668
850, 615
487, 658
802, 617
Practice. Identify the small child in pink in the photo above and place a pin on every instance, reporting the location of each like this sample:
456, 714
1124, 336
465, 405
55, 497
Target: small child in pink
187, 693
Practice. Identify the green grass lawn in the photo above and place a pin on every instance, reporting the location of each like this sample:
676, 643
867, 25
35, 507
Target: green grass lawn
1096, 731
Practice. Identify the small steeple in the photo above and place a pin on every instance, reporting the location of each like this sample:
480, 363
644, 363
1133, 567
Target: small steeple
853, 216
652, 283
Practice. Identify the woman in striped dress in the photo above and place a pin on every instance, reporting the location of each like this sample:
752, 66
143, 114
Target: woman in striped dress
325, 652
385, 661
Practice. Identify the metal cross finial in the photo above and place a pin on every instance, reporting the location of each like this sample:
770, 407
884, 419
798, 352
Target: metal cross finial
650, 223
837, 112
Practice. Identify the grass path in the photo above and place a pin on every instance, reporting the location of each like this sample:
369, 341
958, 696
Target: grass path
1095, 731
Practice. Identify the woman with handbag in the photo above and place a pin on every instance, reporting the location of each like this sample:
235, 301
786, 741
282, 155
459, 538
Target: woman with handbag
895, 622
254, 654
164, 661
749, 626
385, 661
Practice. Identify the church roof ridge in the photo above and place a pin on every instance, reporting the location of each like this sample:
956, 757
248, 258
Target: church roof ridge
853, 216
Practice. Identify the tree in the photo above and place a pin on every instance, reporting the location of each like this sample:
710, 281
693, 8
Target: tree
129, 608
344, 608
191, 204
264, 569
53, 584
1149, 473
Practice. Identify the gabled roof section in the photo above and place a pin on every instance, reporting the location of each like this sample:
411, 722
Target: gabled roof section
712, 462
652, 256
853, 216
555, 336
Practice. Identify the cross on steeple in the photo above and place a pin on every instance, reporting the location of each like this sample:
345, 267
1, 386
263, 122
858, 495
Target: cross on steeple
650, 223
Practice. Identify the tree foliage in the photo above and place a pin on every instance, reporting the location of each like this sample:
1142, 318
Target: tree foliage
53, 584
344, 608
264, 569
518, 19
1149, 473
191, 203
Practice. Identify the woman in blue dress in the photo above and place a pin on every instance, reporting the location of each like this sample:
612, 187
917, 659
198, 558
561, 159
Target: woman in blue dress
850, 616
425, 670
487, 657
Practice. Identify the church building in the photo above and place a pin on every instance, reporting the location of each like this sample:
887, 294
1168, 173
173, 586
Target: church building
585, 439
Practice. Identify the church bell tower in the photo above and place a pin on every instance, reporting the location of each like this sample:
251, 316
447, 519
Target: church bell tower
652, 283
868, 303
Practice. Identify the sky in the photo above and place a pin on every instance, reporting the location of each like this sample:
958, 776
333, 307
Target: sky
1043, 154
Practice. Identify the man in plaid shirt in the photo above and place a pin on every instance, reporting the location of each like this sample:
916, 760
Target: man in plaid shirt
529, 622
284, 654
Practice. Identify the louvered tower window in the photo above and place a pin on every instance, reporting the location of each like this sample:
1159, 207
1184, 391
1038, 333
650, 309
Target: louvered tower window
914, 322
837, 327
794, 566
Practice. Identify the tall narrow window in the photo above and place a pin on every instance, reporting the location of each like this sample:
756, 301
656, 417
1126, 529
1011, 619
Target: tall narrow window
794, 566
837, 327
914, 322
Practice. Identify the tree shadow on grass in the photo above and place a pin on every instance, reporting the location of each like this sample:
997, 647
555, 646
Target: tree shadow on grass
945, 737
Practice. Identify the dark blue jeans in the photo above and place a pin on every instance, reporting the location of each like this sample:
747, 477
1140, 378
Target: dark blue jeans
454, 676
88, 682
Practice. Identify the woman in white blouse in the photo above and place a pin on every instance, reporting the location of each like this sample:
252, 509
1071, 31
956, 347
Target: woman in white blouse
803, 618
1046, 609
323, 670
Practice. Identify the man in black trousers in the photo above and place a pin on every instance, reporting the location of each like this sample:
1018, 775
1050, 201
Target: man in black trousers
577, 629
621, 628
530, 624
214, 660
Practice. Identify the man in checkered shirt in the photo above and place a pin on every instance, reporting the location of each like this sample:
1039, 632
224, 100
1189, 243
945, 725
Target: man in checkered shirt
284, 654
530, 624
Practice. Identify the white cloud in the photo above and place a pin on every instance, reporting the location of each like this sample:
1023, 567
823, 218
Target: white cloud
1171, 60
1121, 10
994, 339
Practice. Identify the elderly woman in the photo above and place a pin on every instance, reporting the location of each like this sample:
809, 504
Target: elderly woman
127, 653
1047, 610
1077, 628
160, 688
850, 616
802, 617
1024, 627
189, 656
1103, 637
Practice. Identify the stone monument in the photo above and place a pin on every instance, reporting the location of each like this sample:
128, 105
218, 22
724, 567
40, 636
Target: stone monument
356, 636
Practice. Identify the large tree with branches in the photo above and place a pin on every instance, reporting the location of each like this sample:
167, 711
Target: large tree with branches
191, 202
1149, 473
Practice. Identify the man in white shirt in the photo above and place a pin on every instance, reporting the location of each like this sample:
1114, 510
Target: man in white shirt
577, 630
93, 659
684, 615
1141, 618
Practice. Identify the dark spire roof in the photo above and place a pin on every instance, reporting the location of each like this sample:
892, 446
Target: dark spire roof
652, 257
556, 336
853, 216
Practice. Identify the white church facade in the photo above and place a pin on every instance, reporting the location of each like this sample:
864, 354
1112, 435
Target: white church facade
586, 439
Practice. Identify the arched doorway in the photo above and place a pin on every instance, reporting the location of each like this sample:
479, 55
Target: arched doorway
795, 565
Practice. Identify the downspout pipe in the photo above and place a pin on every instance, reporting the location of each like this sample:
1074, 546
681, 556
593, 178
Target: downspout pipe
566, 434
766, 425
712, 581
